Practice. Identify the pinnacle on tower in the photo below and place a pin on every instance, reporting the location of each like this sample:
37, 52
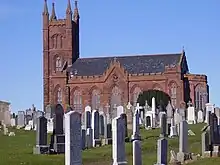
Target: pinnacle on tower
68, 9
76, 12
45, 11
53, 13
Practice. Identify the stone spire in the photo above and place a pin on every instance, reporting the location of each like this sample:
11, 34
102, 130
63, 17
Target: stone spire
45, 11
68, 9
76, 12
53, 13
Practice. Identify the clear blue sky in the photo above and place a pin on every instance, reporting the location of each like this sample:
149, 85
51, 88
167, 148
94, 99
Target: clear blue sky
107, 28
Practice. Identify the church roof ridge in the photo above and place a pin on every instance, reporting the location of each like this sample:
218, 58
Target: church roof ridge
132, 55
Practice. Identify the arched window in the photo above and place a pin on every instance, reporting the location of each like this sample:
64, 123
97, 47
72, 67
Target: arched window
77, 100
59, 96
115, 101
95, 99
199, 97
136, 93
173, 94
58, 64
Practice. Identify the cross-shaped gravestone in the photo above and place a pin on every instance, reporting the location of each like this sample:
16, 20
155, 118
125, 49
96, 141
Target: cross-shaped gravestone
138, 107
189, 104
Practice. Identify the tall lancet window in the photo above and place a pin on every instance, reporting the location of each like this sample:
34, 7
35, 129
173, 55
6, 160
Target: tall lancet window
136, 93
199, 97
58, 64
173, 94
95, 99
77, 100
59, 96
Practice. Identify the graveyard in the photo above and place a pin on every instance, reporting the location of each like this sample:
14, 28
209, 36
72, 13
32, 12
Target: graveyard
160, 135
18, 149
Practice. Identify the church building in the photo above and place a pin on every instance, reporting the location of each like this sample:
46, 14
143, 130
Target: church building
74, 81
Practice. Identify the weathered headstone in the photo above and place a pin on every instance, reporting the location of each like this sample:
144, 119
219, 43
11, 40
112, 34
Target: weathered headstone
41, 136
200, 116
124, 117
183, 154
59, 137
73, 139
102, 123
137, 160
89, 138
118, 142
95, 128
87, 116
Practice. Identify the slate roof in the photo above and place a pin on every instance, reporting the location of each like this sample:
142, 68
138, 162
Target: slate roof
132, 64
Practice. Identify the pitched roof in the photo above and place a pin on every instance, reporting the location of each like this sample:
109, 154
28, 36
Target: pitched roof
132, 64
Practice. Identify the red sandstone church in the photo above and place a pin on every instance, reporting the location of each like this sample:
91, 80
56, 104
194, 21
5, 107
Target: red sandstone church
71, 80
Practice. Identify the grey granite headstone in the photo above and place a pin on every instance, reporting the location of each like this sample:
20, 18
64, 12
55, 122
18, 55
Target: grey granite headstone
59, 137
73, 138
214, 131
118, 142
95, 128
124, 117
101, 124
183, 154
41, 136
162, 148
89, 140
163, 129
83, 139
87, 119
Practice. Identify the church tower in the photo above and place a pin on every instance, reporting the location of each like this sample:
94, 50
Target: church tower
60, 45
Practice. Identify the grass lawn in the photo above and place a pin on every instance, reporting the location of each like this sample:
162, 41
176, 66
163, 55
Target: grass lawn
18, 150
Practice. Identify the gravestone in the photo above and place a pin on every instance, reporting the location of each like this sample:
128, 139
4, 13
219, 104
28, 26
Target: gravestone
191, 118
163, 129
183, 154
41, 136
215, 136
214, 131
95, 128
173, 129
21, 119
169, 110
200, 116
124, 117
120, 110
137, 160
148, 121
206, 142
89, 138
87, 116
101, 123
49, 112
73, 139
59, 137
162, 144
118, 142
83, 139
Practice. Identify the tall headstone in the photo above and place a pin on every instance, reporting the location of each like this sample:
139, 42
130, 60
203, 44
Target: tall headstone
59, 137
21, 119
162, 144
137, 160
88, 117
214, 135
124, 117
95, 128
200, 116
118, 142
191, 118
73, 139
41, 136
102, 119
183, 153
